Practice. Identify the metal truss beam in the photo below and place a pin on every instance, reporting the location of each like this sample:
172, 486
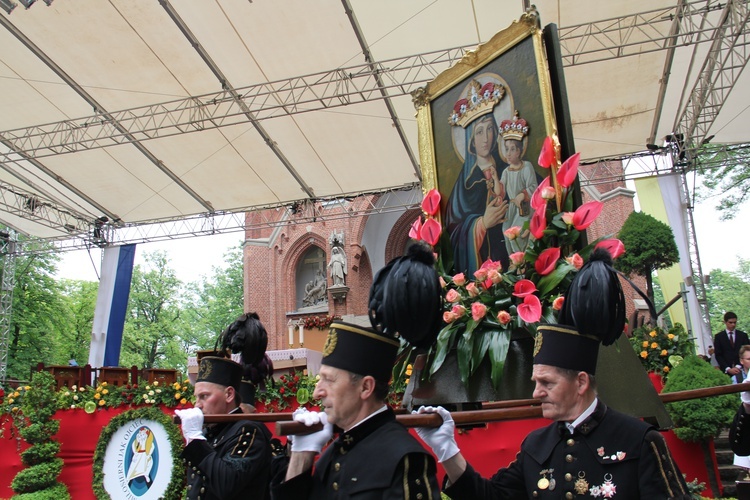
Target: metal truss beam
721, 68
302, 212
7, 284
581, 44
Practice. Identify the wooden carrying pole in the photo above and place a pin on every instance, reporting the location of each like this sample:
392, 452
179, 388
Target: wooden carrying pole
491, 412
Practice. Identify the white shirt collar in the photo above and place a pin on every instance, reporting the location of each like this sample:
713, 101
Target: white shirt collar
583, 416
380, 410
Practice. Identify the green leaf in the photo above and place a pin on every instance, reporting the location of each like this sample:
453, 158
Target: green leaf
442, 346
479, 349
465, 346
549, 282
499, 341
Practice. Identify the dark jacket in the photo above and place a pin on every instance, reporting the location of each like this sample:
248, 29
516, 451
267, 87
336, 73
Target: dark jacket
378, 459
739, 433
607, 451
726, 355
233, 462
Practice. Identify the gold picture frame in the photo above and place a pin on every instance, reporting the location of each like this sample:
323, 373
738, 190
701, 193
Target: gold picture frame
514, 64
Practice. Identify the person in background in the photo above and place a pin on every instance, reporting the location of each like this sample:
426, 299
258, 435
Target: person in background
727, 346
227, 460
590, 450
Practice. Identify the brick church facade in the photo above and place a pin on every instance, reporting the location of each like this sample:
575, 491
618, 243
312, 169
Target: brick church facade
287, 276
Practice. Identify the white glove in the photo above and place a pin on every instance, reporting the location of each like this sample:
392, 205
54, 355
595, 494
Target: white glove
745, 397
192, 424
316, 440
440, 439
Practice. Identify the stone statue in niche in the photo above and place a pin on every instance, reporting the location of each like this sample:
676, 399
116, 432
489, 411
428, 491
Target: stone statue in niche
315, 290
337, 264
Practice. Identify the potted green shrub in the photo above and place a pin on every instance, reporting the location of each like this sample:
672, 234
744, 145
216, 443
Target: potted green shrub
700, 420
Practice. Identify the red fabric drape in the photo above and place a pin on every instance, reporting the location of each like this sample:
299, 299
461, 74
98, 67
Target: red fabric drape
487, 449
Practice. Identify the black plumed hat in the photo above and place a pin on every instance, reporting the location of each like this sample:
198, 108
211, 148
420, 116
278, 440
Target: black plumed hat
406, 297
360, 350
221, 371
247, 336
593, 313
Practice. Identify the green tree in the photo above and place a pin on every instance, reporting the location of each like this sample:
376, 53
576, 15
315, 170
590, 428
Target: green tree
213, 303
649, 245
725, 171
152, 323
38, 314
80, 299
729, 291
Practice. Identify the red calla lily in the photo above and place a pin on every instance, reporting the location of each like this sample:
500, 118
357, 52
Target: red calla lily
614, 246
522, 288
536, 198
547, 261
531, 309
547, 154
416, 229
430, 231
538, 222
586, 214
431, 202
568, 171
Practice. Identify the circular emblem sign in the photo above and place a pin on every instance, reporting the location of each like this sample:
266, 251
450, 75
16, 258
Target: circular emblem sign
137, 457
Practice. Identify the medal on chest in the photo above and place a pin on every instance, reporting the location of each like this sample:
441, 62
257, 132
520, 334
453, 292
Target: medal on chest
581, 485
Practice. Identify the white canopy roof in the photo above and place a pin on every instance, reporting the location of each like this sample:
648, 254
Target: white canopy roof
152, 111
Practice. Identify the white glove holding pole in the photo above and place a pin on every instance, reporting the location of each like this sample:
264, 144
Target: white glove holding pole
442, 439
191, 421
315, 441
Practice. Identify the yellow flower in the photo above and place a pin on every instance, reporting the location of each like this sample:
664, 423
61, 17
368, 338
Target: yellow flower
652, 334
645, 343
10, 401
99, 389
663, 352
105, 391
670, 336
177, 395
16, 394
186, 381
666, 369
183, 401
654, 345
27, 387
408, 370
644, 354
97, 396
104, 384
101, 403
176, 386
406, 381
156, 382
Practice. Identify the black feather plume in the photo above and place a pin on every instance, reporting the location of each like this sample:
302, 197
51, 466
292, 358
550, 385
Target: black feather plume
595, 303
247, 336
406, 297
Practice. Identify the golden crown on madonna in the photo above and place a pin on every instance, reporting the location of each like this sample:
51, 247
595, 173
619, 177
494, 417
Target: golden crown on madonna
479, 100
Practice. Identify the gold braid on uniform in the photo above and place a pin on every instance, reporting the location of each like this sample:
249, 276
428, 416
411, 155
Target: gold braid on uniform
421, 483
663, 458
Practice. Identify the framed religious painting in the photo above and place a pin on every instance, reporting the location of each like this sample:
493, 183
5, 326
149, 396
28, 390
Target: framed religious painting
482, 124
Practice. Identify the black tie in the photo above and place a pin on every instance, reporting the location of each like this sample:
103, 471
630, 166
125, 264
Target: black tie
731, 339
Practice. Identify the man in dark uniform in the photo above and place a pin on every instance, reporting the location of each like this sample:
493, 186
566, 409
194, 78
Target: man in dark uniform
590, 451
225, 461
374, 456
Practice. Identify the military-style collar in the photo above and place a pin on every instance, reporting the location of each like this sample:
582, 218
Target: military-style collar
348, 440
213, 431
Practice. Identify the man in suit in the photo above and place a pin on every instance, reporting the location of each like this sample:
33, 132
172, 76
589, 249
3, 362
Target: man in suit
727, 345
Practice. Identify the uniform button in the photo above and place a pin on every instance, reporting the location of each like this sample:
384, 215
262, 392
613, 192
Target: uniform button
568, 476
568, 458
335, 486
570, 442
535, 494
203, 490
418, 482
419, 496
569, 496
337, 467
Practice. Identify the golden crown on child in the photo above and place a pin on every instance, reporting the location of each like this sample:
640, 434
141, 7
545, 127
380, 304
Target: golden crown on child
480, 100
515, 128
